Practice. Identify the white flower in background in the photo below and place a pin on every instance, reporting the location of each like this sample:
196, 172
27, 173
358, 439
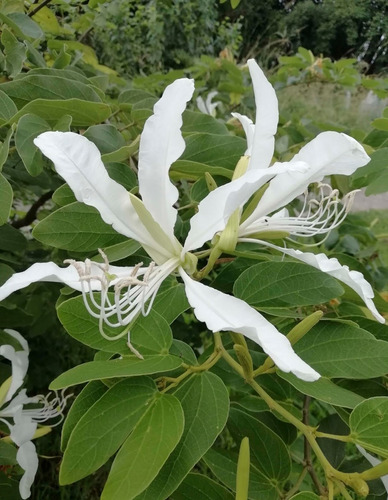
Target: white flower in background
151, 222
374, 461
329, 153
208, 107
22, 422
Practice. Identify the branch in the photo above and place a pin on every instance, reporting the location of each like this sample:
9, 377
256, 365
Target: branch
31, 214
37, 9
307, 448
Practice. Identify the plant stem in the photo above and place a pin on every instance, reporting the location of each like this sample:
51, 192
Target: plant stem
37, 9
337, 437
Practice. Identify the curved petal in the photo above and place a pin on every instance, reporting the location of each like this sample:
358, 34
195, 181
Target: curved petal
216, 208
267, 116
79, 162
329, 153
19, 360
249, 129
27, 458
224, 312
374, 461
24, 428
354, 279
161, 144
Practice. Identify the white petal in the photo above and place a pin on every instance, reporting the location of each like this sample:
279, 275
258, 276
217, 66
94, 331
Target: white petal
79, 162
354, 279
329, 153
224, 312
27, 458
374, 461
24, 428
16, 335
249, 129
201, 105
19, 360
161, 144
216, 208
267, 116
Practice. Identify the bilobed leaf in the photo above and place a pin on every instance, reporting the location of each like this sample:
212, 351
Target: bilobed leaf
146, 450
27, 28
4, 147
205, 402
368, 424
223, 465
7, 108
15, 53
85, 399
338, 349
83, 112
6, 197
76, 227
282, 284
214, 150
171, 303
104, 427
106, 137
119, 251
30, 126
199, 122
63, 196
116, 368
201, 487
325, 390
194, 170
11, 239
268, 452
150, 334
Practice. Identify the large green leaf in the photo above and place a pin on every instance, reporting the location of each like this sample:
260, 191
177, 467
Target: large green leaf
280, 284
4, 147
22, 25
15, 53
24, 90
106, 137
215, 150
6, 197
85, 399
268, 452
104, 427
339, 349
325, 390
11, 239
368, 424
29, 127
76, 227
374, 175
146, 450
201, 487
194, 121
149, 334
7, 108
205, 402
223, 465
7, 454
171, 302
83, 112
115, 368
194, 170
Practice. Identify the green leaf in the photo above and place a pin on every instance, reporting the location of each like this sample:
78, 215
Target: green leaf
368, 424
31, 87
29, 127
7, 108
268, 452
223, 465
63, 196
126, 367
106, 137
76, 227
11, 239
84, 113
194, 170
201, 487
104, 427
194, 121
280, 284
63, 124
325, 390
374, 175
23, 25
15, 53
183, 351
6, 197
122, 173
205, 402
4, 147
146, 450
149, 334
338, 349
119, 251
214, 150
305, 495
91, 393
171, 303
7, 454
380, 124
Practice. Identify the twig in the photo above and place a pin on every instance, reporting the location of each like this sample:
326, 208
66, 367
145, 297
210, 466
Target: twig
31, 214
307, 448
37, 9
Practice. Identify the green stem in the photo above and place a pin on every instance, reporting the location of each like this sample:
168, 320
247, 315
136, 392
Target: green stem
344, 439
375, 472
297, 484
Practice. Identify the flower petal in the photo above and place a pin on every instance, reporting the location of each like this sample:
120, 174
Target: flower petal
19, 360
224, 312
216, 208
267, 116
353, 279
249, 129
161, 144
79, 162
27, 458
329, 153
24, 428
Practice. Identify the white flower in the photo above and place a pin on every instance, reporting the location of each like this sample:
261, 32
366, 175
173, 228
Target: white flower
208, 107
22, 422
151, 222
329, 153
